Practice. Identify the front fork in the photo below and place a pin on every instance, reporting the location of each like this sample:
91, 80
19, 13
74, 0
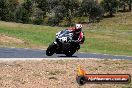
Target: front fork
55, 42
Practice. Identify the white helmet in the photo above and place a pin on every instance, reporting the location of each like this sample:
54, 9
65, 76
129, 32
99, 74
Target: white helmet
78, 28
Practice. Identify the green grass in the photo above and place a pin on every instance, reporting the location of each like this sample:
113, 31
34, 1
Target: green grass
31, 34
109, 41
110, 36
34, 34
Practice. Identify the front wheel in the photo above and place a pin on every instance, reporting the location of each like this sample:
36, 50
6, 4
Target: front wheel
51, 49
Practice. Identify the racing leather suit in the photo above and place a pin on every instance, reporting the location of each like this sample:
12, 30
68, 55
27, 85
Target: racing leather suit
77, 38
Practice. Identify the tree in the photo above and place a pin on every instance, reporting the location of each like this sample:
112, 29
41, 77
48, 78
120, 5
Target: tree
38, 16
53, 3
13, 5
60, 12
86, 7
96, 13
130, 5
22, 15
59, 15
43, 5
8, 9
71, 7
24, 12
4, 10
28, 5
110, 6
91, 9
123, 4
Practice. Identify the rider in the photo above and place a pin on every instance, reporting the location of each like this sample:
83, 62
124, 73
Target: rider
78, 35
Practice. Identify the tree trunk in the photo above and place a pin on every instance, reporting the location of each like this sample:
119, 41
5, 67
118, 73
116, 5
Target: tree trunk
130, 5
111, 14
124, 7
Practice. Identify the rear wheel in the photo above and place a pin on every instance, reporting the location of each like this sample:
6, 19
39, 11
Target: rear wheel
51, 49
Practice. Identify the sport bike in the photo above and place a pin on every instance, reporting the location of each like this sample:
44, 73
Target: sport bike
63, 44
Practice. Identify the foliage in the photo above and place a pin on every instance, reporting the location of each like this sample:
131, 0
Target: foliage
4, 10
43, 5
96, 13
110, 6
125, 3
71, 7
59, 11
24, 12
86, 7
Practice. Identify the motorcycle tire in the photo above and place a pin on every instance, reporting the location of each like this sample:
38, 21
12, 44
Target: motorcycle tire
51, 49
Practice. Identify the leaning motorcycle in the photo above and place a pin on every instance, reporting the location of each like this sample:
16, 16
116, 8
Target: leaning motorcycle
63, 44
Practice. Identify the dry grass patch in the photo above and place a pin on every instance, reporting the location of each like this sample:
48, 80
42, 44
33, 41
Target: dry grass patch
59, 73
9, 39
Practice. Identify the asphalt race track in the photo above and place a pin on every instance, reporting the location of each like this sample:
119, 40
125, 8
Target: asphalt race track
32, 53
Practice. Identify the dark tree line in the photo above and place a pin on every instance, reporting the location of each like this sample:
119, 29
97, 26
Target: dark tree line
54, 12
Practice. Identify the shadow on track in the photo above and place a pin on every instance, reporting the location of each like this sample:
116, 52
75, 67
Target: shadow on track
68, 57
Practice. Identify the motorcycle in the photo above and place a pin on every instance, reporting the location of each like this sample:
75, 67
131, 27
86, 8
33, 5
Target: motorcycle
63, 44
